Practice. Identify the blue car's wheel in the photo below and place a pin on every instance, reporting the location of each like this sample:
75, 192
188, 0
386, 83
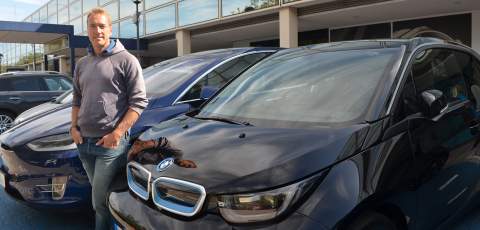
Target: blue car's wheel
6, 121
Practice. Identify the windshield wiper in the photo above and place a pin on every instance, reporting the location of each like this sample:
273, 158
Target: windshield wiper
223, 119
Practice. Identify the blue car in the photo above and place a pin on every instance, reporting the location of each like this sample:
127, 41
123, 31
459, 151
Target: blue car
39, 161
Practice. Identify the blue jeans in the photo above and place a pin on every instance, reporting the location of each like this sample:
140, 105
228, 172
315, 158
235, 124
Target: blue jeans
101, 165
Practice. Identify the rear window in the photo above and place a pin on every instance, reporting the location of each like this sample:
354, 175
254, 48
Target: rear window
4, 85
25, 84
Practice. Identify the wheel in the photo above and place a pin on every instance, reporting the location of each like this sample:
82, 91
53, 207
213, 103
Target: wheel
371, 220
6, 121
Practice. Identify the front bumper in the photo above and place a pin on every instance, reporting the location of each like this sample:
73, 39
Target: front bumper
130, 212
33, 177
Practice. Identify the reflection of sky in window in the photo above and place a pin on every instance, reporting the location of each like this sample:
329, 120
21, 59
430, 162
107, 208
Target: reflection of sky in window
128, 8
193, 11
161, 19
77, 25
52, 19
52, 7
115, 30
318, 87
88, 5
152, 3
112, 9
75, 9
128, 29
63, 16
231, 7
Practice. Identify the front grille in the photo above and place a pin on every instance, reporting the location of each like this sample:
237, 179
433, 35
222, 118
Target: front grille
138, 179
177, 196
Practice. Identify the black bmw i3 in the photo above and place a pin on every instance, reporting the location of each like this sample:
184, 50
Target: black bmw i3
379, 134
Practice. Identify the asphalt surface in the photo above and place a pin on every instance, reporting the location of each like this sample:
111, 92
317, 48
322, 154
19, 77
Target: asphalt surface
15, 215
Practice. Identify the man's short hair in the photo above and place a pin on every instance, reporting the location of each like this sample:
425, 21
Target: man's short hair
99, 10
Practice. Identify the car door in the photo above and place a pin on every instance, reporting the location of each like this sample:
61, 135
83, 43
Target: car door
55, 85
219, 76
27, 92
444, 150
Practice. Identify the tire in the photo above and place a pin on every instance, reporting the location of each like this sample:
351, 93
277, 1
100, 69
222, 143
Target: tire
370, 220
6, 121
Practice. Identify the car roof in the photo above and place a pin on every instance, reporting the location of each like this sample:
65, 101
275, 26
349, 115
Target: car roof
30, 73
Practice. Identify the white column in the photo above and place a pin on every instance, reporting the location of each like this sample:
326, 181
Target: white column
288, 27
63, 65
184, 42
476, 31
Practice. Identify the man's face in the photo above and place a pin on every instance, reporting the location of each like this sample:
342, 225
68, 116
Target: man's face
99, 30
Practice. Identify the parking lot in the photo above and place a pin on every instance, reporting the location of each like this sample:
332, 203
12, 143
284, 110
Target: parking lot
14, 215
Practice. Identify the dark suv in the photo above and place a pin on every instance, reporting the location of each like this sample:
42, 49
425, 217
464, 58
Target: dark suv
352, 135
20, 91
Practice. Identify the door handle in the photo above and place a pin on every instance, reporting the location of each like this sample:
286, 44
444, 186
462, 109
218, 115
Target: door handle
15, 98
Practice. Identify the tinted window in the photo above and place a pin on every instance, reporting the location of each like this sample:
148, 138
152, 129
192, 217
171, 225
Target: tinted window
300, 88
26, 84
471, 72
57, 84
439, 69
4, 85
222, 74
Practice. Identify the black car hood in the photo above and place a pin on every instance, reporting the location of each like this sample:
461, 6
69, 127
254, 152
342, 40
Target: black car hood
226, 158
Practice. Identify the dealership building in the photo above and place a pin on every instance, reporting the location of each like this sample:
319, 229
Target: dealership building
170, 28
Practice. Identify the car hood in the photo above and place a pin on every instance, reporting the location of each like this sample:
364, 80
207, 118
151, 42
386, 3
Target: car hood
43, 125
37, 110
226, 158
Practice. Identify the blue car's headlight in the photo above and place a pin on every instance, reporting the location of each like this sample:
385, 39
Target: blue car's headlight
262, 206
58, 142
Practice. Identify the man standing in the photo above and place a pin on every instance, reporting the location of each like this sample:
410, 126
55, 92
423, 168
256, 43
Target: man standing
108, 97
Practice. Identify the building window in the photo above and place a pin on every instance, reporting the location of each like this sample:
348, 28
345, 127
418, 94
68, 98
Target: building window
77, 25
152, 3
63, 16
193, 11
160, 19
115, 30
52, 19
43, 14
75, 9
128, 29
52, 7
112, 9
102, 2
375, 31
457, 27
240, 6
62, 4
128, 8
88, 5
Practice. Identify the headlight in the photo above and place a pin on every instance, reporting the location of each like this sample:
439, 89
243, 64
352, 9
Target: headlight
262, 206
53, 143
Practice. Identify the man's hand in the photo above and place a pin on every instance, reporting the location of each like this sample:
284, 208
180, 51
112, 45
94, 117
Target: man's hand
76, 135
111, 140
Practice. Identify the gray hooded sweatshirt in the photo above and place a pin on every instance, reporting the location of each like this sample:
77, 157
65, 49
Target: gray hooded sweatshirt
105, 87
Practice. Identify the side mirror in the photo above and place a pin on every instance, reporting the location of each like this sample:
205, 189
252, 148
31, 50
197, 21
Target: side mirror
434, 102
207, 92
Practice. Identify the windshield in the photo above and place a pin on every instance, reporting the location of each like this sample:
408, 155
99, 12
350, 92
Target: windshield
305, 87
166, 76
65, 97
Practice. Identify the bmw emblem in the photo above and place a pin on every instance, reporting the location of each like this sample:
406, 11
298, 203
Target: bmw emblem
165, 164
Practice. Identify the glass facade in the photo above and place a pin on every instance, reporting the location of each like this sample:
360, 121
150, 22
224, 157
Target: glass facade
129, 30
63, 16
77, 25
240, 6
75, 9
88, 5
153, 3
194, 11
112, 9
160, 19
128, 8
62, 4
43, 14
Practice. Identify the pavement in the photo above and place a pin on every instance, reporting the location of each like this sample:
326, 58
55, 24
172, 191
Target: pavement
15, 215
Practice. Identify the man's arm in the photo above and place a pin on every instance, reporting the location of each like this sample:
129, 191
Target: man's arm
112, 140
74, 132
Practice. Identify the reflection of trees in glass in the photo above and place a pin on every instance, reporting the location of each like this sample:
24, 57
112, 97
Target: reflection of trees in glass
255, 5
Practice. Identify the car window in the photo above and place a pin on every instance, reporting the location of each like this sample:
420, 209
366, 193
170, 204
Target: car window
57, 83
25, 84
471, 72
298, 89
439, 69
4, 84
222, 74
